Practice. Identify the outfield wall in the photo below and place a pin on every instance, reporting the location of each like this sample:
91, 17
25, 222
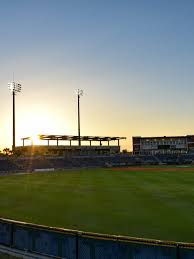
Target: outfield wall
70, 244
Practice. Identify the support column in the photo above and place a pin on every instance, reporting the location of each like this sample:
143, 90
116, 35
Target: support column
13, 145
79, 141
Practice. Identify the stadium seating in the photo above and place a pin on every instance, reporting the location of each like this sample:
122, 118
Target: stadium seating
44, 162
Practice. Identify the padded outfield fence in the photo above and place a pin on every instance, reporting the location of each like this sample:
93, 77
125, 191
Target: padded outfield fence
71, 244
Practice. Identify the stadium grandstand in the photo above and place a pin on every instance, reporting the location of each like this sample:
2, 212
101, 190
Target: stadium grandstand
63, 151
66, 146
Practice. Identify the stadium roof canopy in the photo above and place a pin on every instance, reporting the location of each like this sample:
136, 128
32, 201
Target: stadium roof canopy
74, 138
69, 137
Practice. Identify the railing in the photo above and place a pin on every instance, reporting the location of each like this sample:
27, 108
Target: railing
70, 244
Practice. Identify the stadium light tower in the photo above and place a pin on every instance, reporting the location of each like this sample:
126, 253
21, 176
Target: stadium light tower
14, 88
79, 93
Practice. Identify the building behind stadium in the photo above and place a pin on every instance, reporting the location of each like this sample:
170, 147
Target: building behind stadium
163, 145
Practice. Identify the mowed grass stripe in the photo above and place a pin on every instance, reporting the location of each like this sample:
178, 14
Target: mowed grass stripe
150, 204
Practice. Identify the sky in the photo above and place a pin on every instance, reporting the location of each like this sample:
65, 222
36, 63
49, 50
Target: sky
134, 59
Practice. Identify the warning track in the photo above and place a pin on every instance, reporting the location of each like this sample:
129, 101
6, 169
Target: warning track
160, 169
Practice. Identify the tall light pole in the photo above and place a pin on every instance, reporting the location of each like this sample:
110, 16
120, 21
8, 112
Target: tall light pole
79, 93
14, 88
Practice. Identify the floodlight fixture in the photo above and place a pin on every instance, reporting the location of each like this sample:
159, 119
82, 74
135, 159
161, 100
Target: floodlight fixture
14, 88
79, 92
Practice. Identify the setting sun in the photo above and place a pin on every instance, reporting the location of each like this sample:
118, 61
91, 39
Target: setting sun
35, 139
38, 122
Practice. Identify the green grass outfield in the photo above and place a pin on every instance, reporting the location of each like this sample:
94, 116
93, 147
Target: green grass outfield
142, 203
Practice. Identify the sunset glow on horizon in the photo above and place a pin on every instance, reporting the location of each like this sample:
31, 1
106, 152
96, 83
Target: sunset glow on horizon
134, 61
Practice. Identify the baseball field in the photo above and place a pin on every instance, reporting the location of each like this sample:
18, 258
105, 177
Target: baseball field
149, 202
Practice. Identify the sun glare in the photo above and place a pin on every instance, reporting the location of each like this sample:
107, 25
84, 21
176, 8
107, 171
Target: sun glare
37, 122
35, 139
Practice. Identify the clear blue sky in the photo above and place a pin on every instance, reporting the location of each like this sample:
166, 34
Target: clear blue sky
133, 59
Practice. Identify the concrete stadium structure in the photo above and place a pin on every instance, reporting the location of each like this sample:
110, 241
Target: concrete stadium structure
69, 147
163, 145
